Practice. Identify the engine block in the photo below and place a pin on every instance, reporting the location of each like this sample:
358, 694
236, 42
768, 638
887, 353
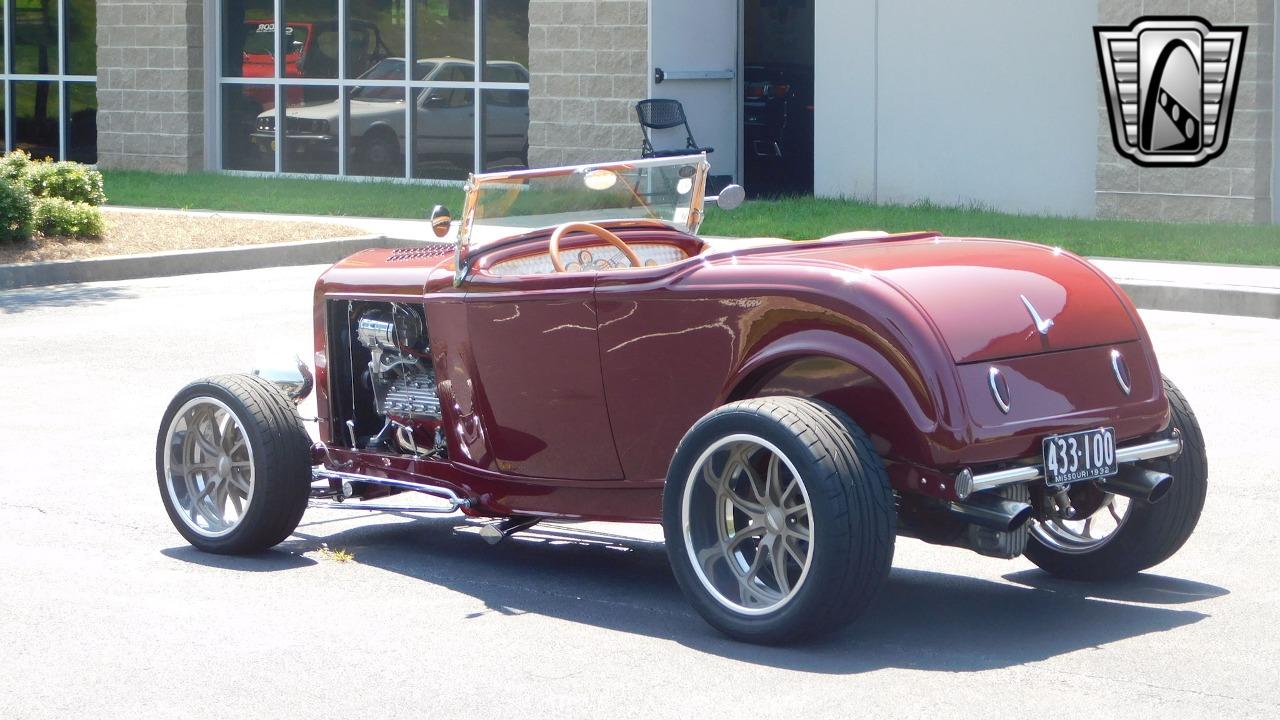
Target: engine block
412, 395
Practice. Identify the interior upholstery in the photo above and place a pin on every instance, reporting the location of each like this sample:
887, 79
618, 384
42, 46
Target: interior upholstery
592, 257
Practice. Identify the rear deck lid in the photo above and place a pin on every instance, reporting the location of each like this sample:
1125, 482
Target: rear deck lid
993, 299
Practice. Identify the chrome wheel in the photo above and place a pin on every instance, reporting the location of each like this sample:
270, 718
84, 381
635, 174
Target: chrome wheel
747, 526
1085, 534
208, 467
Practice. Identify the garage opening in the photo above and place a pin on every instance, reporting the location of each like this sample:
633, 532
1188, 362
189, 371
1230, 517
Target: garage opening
777, 116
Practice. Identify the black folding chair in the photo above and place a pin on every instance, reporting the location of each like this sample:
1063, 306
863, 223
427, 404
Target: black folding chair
663, 115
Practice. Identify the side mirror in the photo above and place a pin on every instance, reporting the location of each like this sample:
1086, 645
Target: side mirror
434, 100
730, 197
440, 221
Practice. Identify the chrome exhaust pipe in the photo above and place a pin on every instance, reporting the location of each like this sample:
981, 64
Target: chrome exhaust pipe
1139, 484
992, 511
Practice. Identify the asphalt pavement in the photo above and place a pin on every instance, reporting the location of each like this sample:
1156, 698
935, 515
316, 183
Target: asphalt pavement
105, 612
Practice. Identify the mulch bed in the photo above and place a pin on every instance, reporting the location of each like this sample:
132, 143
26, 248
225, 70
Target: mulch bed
130, 233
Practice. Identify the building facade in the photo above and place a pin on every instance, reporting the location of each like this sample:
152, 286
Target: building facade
993, 103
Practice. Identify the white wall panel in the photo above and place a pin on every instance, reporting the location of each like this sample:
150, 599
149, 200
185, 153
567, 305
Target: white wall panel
989, 102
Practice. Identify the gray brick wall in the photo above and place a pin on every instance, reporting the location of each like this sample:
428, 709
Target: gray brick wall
151, 85
1235, 187
588, 65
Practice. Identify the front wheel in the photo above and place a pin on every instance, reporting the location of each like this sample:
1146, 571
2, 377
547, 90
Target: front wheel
1124, 536
234, 464
778, 518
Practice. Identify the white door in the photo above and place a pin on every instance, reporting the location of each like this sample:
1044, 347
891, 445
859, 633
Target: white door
694, 45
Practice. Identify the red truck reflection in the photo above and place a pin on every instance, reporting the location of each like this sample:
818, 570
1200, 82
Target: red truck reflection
310, 51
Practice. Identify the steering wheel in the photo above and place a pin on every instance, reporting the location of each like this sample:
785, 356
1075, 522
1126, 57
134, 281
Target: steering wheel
554, 246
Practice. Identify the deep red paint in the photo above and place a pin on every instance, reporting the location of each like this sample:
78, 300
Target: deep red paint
566, 394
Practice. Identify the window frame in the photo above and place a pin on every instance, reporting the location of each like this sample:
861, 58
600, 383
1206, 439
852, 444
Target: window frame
277, 82
60, 79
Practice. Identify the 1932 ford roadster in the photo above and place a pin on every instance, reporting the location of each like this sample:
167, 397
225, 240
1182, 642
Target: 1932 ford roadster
785, 410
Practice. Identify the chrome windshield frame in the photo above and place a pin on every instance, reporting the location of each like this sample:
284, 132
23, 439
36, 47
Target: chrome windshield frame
475, 182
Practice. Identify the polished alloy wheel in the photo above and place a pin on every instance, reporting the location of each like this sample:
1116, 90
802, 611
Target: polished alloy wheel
1085, 534
747, 524
208, 467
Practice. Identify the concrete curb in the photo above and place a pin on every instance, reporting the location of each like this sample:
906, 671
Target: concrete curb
1252, 302
186, 262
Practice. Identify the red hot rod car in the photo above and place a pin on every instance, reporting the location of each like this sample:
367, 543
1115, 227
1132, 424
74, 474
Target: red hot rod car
785, 410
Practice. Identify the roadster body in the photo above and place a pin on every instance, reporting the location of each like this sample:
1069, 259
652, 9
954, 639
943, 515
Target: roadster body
784, 409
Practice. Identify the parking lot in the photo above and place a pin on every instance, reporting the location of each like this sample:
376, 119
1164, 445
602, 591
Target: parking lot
106, 612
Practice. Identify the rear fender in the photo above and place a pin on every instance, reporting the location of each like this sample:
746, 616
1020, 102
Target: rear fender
904, 409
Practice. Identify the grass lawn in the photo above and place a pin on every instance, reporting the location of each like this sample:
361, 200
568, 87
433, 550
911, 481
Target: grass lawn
796, 218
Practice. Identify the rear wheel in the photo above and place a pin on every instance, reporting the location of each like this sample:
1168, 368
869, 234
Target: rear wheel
1122, 536
233, 463
779, 519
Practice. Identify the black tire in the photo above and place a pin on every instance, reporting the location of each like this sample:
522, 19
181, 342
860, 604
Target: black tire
1151, 533
852, 518
279, 448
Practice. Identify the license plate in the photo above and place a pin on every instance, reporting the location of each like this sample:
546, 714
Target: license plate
1077, 456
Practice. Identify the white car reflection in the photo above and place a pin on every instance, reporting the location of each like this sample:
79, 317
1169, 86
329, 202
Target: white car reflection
444, 119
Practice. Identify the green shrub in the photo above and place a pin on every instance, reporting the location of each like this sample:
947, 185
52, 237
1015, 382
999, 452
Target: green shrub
14, 165
67, 180
16, 216
64, 218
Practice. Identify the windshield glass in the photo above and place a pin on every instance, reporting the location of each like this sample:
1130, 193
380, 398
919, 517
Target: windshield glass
667, 189
386, 69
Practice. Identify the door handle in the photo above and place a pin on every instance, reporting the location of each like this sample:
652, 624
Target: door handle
658, 76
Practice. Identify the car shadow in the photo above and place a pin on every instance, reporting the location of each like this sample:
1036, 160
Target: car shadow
1145, 588
269, 561
922, 620
21, 300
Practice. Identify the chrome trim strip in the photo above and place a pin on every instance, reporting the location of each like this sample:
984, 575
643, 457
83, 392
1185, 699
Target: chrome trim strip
1133, 453
1002, 402
440, 492
1116, 359
379, 508
565, 170
1042, 325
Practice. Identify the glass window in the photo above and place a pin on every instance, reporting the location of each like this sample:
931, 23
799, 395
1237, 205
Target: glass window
82, 122
81, 40
444, 29
35, 37
375, 131
506, 129
387, 69
506, 36
379, 88
311, 129
35, 118
311, 37
443, 133
248, 36
375, 31
32, 112
248, 127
